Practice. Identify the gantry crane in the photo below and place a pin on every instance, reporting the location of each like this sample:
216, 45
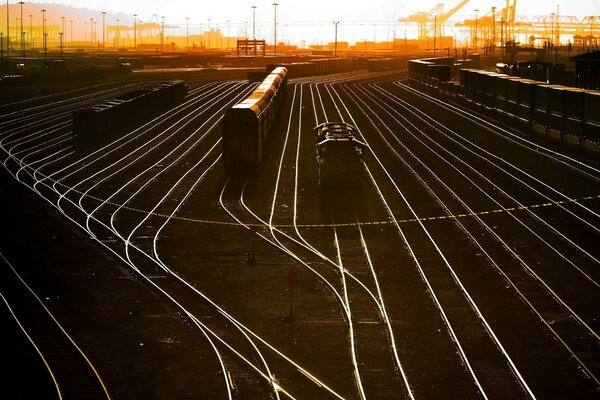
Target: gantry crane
428, 22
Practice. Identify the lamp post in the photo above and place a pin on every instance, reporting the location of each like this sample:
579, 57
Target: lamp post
187, 33
246, 35
91, 32
60, 35
162, 35
22, 32
103, 30
502, 37
592, 30
493, 30
551, 28
275, 29
253, 22
134, 32
117, 36
7, 31
227, 46
63, 28
209, 34
31, 30
44, 33
71, 33
475, 38
1, 48
335, 46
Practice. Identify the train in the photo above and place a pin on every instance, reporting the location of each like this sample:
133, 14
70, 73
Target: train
563, 114
101, 121
339, 155
246, 125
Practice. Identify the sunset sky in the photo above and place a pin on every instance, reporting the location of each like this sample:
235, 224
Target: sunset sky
177, 10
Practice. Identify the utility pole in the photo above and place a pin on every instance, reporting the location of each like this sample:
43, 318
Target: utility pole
71, 33
117, 36
63, 28
475, 39
493, 31
61, 35
31, 30
187, 34
44, 34
253, 22
335, 48
227, 46
134, 32
162, 35
434, 34
209, 34
275, 30
22, 32
92, 32
7, 31
502, 37
103, 31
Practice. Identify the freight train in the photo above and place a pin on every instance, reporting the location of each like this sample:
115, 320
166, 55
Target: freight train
247, 124
101, 121
339, 155
563, 114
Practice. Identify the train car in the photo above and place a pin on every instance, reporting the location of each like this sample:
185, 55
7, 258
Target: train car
556, 110
526, 103
574, 111
96, 123
247, 124
591, 127
339, 155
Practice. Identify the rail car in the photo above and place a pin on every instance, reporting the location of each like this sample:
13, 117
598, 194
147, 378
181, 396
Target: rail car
103, 120
560, 113
339, 155
247, 125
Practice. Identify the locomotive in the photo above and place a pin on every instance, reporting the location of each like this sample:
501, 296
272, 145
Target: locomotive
339, 155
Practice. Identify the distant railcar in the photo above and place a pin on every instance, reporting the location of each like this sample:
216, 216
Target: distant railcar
247, 124
103, 120
339, 155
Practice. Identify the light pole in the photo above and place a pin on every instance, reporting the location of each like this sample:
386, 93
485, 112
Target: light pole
60, 35
493, 30
44, 33
592, 30
162, 35
91, 32
31, 30
117, 36
103, 31
22, 32
551, 28
7, 31
228, 21
475, 38
335, 46
209, 34
134, 32
71, 33
187, 33
275, 28
253, 22
502, 37
63, 27
246, 35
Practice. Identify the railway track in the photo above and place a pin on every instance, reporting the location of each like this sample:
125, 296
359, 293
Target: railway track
363, 297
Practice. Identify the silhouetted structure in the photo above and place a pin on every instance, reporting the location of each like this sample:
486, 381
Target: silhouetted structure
251, 46
587, 70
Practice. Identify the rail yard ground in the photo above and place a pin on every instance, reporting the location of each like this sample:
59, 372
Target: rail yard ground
467, 266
